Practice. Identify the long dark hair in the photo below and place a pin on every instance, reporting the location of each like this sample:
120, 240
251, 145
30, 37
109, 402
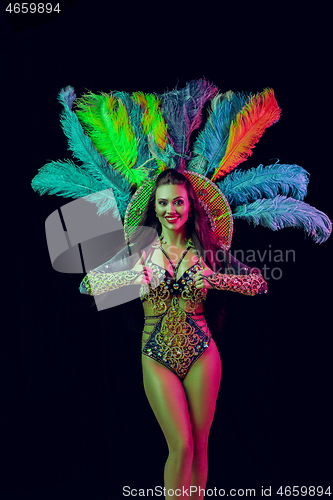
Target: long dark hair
197, 226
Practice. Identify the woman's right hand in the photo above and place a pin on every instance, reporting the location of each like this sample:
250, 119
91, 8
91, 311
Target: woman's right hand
145, 271
199, 278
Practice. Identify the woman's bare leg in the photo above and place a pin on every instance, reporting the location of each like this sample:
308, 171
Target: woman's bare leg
166, 396
201, 385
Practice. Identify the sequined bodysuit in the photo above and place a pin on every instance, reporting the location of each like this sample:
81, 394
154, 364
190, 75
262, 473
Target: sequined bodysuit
175, 332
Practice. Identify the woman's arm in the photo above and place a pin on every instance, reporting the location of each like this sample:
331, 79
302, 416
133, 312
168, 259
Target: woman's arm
106, 278
237, 278
95, 283
251, 284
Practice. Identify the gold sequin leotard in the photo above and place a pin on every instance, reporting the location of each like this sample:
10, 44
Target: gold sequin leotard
175, 332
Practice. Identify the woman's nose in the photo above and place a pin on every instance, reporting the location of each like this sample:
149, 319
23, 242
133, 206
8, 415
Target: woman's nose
170, 209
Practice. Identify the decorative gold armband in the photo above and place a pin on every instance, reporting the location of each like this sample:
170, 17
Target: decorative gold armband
251, 284
98, 283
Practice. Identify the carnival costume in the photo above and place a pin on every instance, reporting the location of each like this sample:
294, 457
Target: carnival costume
124, 141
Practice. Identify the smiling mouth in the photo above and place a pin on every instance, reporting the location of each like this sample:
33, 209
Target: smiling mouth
172, 219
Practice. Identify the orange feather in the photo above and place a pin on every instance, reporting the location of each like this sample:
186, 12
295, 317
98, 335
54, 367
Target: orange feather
259, 113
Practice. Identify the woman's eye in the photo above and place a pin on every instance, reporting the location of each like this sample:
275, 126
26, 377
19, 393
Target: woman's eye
177, 202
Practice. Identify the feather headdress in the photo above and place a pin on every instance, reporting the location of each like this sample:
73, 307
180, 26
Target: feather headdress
124, 140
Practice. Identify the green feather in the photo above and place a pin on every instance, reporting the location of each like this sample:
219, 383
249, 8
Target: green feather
106, 121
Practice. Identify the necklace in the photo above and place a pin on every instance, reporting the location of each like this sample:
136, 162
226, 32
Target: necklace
176, 267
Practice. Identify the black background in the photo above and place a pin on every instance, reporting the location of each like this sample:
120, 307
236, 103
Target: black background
75, 420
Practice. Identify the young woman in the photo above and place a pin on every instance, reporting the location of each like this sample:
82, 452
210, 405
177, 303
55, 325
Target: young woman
122, 140
180, 361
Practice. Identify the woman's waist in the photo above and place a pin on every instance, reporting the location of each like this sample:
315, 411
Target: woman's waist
149, 312
160, 305
159, 330
178, 320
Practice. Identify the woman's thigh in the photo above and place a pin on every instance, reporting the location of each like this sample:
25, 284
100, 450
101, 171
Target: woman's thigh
201, 385
167, 398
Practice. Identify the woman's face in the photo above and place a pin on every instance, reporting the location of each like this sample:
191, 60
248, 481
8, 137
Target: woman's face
172, 205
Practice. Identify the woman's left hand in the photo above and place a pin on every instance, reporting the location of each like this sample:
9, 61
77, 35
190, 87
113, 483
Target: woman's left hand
199, 280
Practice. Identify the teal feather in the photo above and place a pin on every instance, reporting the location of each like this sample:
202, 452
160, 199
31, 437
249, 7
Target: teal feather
281, 212
64, 178
168, 156
264, 182
92, 162
95, 178
80, 144
210, 145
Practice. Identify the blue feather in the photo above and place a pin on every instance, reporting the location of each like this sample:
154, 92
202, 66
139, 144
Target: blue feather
93, 162
210, 145
265, 182
181, 110
281, 212
67, 96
